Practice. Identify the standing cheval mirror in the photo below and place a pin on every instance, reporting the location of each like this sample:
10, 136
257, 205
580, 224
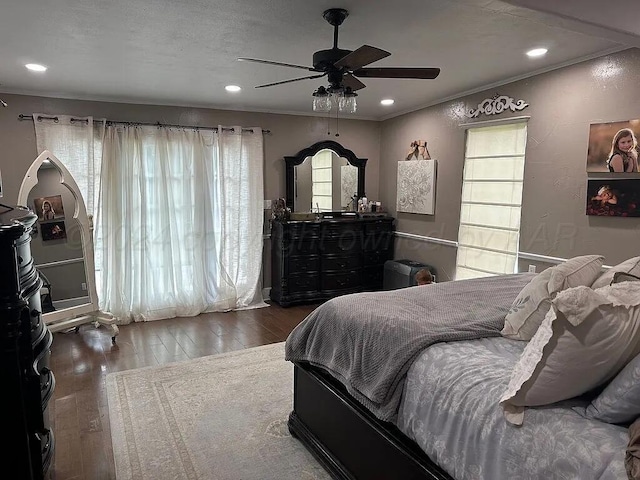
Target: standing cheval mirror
62, 246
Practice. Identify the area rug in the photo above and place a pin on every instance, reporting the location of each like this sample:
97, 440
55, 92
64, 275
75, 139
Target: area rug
221, 417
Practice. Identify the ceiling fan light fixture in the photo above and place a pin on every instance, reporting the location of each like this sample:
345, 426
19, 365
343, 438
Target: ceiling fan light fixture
347, 101
321, 100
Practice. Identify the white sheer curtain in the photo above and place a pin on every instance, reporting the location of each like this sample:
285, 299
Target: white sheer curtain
75, 142
180, 223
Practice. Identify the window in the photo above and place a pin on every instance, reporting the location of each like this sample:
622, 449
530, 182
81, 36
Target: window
491, 200
321, 164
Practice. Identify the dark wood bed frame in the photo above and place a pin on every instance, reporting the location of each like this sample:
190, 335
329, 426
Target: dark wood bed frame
347, 439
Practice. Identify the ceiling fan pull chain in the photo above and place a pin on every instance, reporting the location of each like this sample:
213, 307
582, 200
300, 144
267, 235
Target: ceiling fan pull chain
337, 124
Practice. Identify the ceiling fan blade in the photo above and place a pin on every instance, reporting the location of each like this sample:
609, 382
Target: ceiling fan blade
364, 55
280, 64
350, 81
391, 72
292, 80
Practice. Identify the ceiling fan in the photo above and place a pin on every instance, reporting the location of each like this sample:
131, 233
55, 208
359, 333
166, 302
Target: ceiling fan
343, 66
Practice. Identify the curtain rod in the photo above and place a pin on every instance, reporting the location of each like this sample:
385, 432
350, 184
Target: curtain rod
114, 122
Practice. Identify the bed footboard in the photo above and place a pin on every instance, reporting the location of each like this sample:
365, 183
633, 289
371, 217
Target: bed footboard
349, 441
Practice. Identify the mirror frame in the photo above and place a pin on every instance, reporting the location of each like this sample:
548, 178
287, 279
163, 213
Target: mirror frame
86, 226
298, 158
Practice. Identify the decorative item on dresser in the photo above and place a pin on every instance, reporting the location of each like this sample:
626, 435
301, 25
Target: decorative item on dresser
28, 382
338, 254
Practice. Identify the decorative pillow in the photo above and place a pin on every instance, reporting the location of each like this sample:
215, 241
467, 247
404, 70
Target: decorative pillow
631, 266
620, 277
585, 339
533, 302
619, 402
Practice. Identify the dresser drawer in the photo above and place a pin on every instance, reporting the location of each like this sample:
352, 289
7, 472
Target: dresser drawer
310, 263
341, 281
300, 247
382, 241
339, 230
305, 282
372, 277
340, 263
345, 245
302, 230
378, 227
377, 257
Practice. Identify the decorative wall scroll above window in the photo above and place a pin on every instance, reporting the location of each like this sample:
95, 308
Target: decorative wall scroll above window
497, 104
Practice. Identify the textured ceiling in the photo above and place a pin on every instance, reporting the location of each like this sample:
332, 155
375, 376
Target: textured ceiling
184, 53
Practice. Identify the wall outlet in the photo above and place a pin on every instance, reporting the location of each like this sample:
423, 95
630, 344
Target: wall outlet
83, 286
267, 204
532, 269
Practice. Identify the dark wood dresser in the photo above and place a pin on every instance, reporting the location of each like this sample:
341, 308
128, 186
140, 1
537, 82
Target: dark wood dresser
317, 260
27, 381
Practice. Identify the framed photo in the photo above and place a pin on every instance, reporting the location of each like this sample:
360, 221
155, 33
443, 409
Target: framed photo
607, 140
613, 197
53, 230
416, 186
49, 208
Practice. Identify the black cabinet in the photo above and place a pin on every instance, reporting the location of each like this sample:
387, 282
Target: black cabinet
25, 345
317, 260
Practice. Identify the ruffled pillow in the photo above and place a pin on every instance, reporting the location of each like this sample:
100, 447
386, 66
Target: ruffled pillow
585, 339
533, 302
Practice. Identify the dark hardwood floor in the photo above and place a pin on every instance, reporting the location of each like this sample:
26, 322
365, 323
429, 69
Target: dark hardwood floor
81, 361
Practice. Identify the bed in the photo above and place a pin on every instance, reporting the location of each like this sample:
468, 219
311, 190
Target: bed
409, 384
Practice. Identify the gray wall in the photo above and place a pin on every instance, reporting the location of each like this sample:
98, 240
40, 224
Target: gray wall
289, 134
562, 104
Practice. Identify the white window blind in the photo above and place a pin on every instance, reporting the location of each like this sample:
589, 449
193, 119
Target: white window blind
491, 200
321, 173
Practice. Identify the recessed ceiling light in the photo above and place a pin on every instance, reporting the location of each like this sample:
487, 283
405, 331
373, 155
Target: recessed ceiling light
35, 67
232, 88
387, 101
537, 52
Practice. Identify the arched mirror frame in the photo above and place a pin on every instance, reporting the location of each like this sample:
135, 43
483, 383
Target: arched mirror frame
79, 314
301, 156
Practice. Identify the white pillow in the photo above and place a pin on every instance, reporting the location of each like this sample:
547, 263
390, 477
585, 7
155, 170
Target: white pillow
586, 338
631, 266
533, 302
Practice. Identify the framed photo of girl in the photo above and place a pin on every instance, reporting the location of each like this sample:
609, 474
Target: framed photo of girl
613, 197
613, 147
49, 208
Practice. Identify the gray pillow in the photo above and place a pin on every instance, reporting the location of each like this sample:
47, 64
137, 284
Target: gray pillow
619, 402
620, 277
632, 266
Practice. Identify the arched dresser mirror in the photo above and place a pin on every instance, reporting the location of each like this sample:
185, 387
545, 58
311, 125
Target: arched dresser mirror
62, 246
324, 177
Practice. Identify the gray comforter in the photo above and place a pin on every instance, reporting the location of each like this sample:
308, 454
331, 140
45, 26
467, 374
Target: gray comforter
450, 407
369, 340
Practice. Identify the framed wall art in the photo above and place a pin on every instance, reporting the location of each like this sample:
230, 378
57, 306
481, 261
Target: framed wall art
53, 230
613, 147
49, 208
613, 197
416, 186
